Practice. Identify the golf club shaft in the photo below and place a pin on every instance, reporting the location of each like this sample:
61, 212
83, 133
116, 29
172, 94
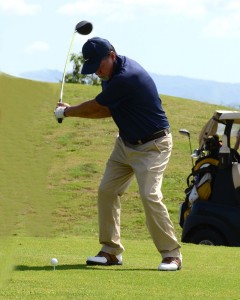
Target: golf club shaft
190, 145
64, 72
84, 28
65, 67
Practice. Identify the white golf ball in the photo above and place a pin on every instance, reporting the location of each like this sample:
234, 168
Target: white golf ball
54, 261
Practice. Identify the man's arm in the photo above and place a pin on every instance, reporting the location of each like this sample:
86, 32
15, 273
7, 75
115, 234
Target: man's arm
89, 109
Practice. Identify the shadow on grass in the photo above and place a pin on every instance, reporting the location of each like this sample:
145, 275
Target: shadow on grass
77, 267
49, 268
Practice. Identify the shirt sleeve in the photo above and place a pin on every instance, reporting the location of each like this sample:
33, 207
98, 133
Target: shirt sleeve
114, 93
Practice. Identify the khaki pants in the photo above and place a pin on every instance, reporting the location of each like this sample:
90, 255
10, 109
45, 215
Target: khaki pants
147, 162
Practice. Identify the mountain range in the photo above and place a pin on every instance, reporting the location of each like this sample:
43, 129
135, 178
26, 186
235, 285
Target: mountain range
46, 75
226, 94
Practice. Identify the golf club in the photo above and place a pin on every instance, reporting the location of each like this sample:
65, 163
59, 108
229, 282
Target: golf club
185, 132
83, 28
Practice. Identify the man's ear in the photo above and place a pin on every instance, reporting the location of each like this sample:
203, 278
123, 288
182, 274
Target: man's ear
112, 55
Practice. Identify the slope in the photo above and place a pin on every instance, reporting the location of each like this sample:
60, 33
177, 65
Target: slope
50, 172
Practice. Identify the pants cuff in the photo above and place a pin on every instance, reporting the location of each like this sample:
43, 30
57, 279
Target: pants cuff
173, 253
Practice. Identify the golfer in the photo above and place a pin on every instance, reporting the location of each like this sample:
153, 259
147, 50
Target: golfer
142, 148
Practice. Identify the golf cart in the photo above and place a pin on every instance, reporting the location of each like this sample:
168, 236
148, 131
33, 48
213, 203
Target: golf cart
210, 214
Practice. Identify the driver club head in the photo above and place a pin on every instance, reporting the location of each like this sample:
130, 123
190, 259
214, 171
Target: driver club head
84, 27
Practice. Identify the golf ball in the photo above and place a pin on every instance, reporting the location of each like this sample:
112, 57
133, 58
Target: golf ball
54, 261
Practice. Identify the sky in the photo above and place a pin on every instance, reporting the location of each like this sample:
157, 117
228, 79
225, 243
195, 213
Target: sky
192, 38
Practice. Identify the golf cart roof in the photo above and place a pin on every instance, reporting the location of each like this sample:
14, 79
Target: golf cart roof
227, 115
219, 117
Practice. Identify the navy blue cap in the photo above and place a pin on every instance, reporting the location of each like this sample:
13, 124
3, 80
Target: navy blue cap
94, 50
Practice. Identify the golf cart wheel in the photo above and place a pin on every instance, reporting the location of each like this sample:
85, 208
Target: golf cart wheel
207, 236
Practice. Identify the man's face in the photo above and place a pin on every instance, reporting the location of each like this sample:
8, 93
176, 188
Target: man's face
104, 72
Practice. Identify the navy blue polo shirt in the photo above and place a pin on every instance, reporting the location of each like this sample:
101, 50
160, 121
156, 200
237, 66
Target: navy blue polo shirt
132, 97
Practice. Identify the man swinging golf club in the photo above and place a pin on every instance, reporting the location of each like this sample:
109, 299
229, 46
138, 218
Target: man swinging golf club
142, 148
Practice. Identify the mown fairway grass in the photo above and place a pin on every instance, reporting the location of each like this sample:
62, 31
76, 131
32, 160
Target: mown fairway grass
208, 272
49, 178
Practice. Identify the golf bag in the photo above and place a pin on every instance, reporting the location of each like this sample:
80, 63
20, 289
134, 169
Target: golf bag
199, 184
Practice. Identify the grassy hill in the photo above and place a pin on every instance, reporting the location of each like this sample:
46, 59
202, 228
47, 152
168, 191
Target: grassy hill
49, 179
50, 172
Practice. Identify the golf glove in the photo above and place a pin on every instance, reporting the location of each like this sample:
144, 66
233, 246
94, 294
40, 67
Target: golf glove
59, 112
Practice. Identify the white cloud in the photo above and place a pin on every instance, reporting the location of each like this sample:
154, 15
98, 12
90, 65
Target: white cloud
190, 8
106, 8
18, 7
85, 7
223, 19
233, 5
38, 46
219, 18
223, 27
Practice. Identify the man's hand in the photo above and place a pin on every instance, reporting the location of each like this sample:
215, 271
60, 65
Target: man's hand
88, 109
59, 111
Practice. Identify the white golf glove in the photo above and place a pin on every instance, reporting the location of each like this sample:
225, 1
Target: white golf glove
59, 112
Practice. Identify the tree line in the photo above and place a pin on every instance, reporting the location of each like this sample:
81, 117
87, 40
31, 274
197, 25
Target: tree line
75, 76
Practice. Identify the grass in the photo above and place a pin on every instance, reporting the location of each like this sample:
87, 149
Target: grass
82, 143
50, 174
208, 272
